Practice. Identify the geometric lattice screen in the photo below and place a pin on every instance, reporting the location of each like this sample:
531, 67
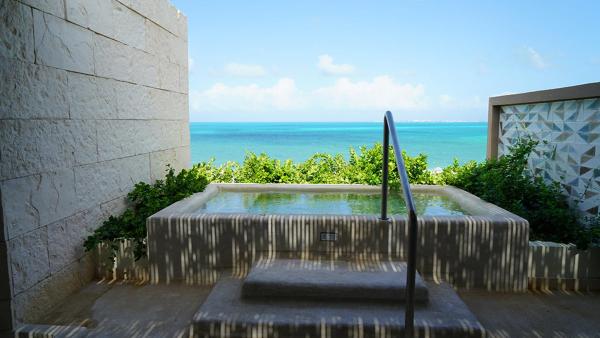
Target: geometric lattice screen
569, 145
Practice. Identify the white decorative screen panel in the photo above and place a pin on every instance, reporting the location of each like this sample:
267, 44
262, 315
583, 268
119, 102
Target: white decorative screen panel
568, 152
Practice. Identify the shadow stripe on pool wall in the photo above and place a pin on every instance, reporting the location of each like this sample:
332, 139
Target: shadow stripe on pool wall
486, 249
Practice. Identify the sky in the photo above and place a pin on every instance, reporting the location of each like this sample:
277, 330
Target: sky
353, 60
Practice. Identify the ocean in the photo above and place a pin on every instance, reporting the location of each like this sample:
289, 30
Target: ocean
440, 141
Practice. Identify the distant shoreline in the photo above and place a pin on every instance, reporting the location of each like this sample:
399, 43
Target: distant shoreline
412, 121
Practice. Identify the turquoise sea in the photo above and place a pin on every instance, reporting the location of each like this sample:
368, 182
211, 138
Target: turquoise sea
441, 141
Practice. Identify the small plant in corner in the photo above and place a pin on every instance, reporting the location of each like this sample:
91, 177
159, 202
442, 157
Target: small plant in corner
144, 200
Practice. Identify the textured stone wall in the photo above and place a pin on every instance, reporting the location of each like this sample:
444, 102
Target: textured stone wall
569, 145
93, 99
555, 266
485, 250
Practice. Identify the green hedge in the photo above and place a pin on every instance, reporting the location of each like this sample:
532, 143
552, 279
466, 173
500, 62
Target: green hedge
362, 167
505, 182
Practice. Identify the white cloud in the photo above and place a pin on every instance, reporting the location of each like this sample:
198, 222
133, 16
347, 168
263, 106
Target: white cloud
343, 100
283, 95
380, 93
244, 70
327, 66
536, 59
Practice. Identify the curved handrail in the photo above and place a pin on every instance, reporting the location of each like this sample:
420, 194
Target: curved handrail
389, 128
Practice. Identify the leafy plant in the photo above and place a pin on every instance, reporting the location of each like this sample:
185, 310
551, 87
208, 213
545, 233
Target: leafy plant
508, 183
590, 232
146, 199
363, 167
320, 168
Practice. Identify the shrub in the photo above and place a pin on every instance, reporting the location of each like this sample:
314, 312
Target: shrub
507, 183
146, 199
363, 167
320, 168
260, 169
223, 173
591, 232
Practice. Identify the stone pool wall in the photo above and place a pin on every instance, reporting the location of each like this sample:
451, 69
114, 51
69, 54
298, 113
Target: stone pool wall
555, 266
550, 266
487, 250
93, 99
467, 251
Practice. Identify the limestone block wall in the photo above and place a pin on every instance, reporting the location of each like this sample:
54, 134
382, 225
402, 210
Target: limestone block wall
93, 98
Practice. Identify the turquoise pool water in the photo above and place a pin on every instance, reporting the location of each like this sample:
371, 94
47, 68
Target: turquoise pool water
325, 203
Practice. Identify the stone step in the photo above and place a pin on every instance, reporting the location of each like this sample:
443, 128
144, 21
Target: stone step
355, 280
226, 314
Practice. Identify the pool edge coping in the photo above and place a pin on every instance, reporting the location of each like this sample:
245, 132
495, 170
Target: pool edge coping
475, 206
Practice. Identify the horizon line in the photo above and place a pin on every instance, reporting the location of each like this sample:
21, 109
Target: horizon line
328, 121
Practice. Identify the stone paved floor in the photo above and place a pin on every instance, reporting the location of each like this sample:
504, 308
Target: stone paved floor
556, 314
125, 310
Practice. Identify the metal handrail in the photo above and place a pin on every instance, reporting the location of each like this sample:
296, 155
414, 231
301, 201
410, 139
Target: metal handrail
389, 128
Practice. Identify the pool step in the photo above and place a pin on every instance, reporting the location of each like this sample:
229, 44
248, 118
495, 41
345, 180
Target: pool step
225, 313
350, 280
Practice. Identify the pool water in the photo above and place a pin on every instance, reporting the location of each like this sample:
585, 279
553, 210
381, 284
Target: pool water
325, 203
